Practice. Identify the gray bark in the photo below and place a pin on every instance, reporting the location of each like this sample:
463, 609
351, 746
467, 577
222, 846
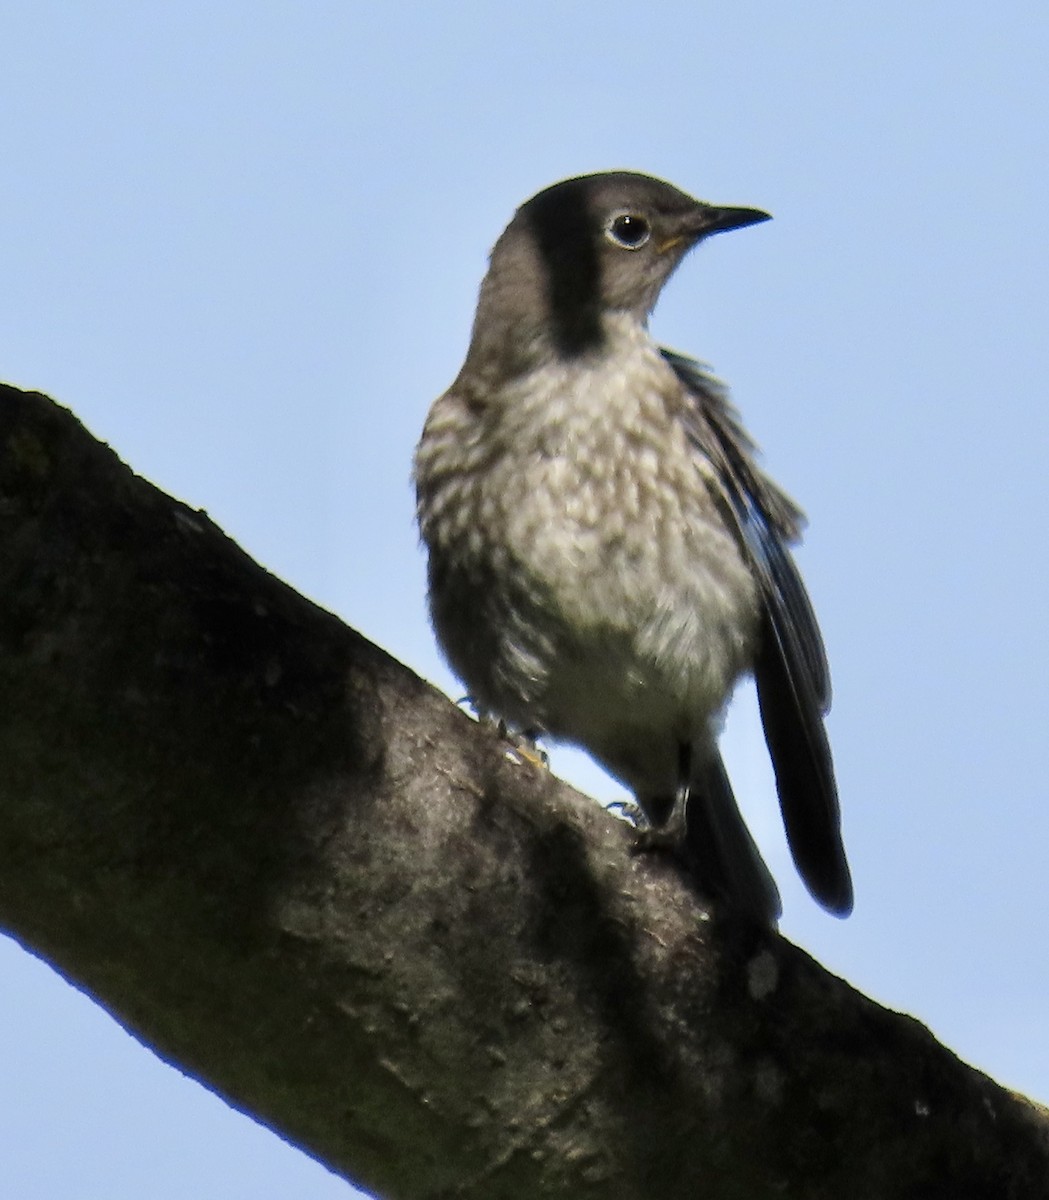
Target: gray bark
291, 867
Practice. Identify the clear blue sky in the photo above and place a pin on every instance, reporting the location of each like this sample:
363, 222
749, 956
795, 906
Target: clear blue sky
242, 242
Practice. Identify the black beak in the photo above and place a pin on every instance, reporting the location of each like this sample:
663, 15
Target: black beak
711, 219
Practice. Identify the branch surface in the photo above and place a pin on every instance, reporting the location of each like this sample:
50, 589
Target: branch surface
293, 868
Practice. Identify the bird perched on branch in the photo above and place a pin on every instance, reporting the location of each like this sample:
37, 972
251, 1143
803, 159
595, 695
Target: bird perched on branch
606, 558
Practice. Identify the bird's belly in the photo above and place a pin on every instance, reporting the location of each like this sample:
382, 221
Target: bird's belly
625, 599
584, 578
650, 635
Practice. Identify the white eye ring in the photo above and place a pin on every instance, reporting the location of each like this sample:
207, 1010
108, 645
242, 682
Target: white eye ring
628, 230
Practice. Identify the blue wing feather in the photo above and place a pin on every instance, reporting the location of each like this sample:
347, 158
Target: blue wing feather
791, 672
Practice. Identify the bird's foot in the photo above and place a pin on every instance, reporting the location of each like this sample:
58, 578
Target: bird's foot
524, 743
658, 838
629, 811
669, 835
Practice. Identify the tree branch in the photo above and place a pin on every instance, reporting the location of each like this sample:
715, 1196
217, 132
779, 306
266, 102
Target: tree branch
289, 865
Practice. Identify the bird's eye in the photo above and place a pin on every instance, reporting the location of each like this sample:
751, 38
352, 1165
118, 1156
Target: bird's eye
628, 230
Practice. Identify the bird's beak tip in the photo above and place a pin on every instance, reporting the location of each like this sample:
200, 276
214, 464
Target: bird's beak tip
716, 219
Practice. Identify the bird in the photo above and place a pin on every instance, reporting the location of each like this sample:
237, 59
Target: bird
606, 556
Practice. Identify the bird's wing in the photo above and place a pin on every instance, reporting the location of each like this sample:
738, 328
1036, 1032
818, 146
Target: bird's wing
791, 672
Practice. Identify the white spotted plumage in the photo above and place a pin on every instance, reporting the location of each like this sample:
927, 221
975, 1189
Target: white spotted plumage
618, 611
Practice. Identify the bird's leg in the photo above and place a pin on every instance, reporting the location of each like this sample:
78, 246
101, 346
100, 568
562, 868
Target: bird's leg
666, 828
676, 821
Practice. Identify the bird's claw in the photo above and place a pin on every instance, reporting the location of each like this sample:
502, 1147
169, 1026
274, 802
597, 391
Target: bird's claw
525, 744
629, 811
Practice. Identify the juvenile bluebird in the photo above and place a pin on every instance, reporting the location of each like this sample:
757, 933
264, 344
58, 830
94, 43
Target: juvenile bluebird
606, 558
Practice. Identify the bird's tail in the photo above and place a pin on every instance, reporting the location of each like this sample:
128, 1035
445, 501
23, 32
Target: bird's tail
723, 855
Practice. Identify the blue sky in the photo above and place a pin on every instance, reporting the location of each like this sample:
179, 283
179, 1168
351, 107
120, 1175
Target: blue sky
243, 242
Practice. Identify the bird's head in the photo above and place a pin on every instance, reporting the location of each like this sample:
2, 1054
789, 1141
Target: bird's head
593, 245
